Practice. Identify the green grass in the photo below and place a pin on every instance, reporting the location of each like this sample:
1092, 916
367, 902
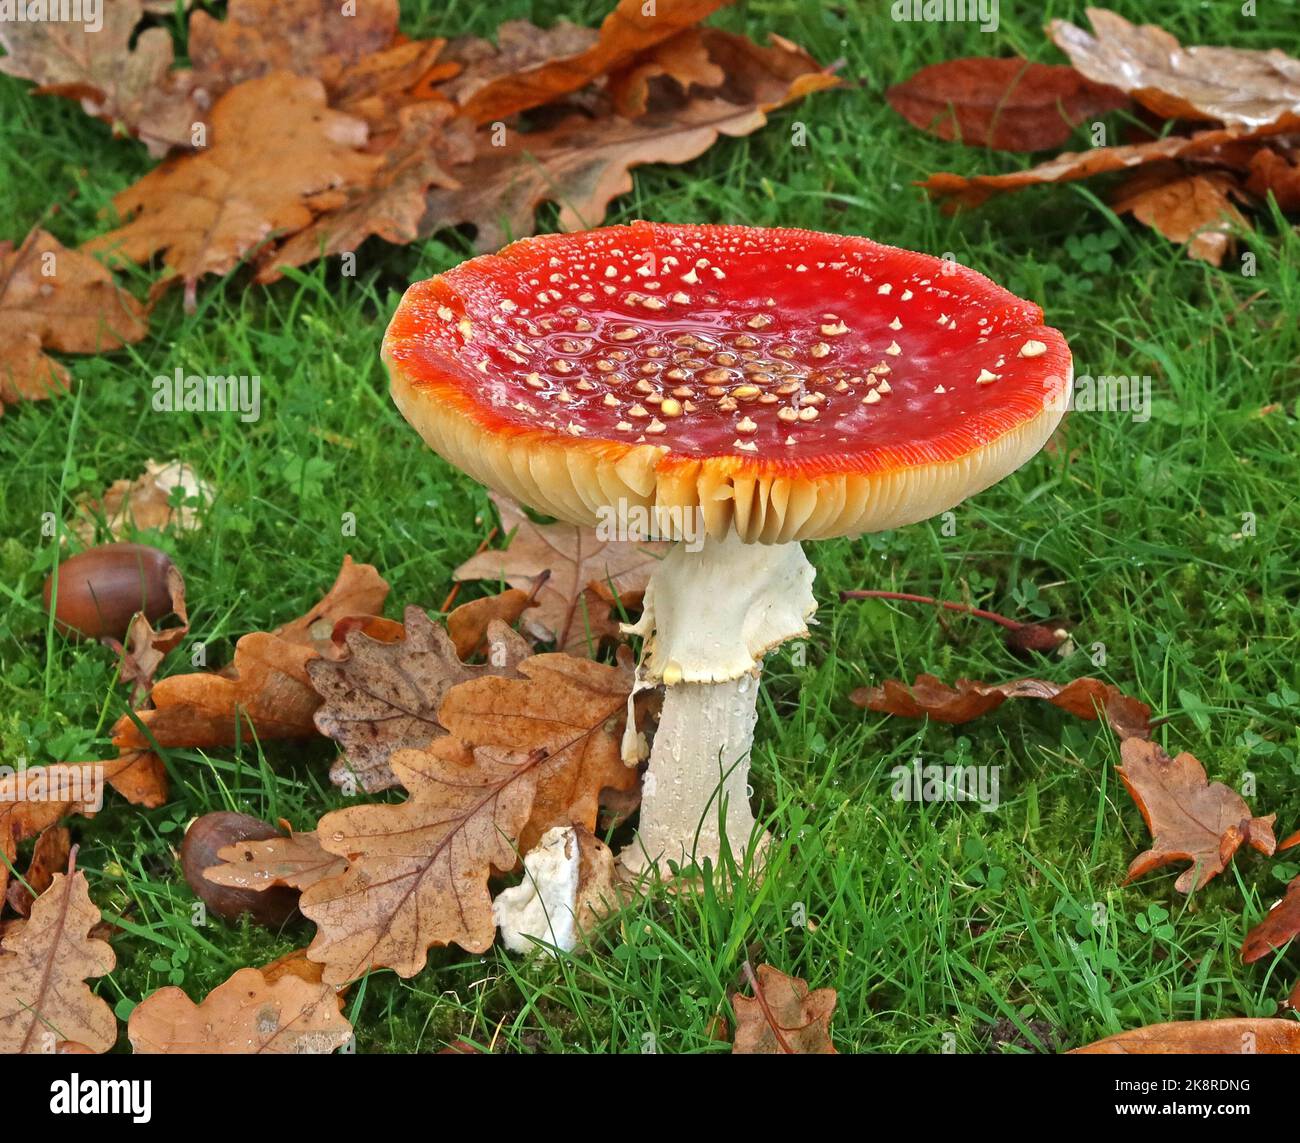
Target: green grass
928, 920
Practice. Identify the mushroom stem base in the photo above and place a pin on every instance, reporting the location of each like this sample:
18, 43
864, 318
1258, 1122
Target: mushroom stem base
697, 786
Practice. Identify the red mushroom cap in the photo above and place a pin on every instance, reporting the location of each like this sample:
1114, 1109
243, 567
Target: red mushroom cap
790, 384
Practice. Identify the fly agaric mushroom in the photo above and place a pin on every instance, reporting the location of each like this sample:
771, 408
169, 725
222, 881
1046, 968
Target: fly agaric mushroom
775, 385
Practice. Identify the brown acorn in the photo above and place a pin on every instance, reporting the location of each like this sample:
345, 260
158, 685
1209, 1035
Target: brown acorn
101, 588
271, 908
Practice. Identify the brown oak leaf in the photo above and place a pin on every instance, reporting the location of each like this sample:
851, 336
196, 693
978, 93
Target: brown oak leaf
266, 692
467, 624
1201, 1037
146, 646
144, 504
44, 966
121, 77
1276, 173
140, 776
417, 872
571, 709
627, 31
368, 69
783, 1018
1190, 818
244, 1016
295, 963
928, 697
277, 157
48, 857
1227, 85
430, 138
384, 697
520, 45
1277, 929
36, 798
574, 557
379, 86
1007, 104
1191, 207
311, 38
358, 590
297, 861
52, 298
583, 163
683, 59
972, 190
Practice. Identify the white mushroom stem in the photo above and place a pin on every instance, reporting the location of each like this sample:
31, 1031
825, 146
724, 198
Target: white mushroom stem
709, 617
698, 776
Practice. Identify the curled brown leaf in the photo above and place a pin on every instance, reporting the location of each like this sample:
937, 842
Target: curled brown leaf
1084, 698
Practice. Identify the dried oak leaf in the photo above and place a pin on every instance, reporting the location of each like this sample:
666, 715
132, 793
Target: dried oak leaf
1271, 172
574, 557
52, 298
1183, 206
468, 624
928, 697
571, 709
583, 163
520, 46
627, 31
244, 1016
144, 504
972, 190
1277, 929
265, 692
684, 58
1190, 818
783, 1018
379, 86
297, 861
368, 70
375, 626
146, 646
122, 78
44, 966
277, 158
430, 138
1201, 1037
1228, 85
48, 857
36, 798
140, 777
296, 964
1006, 104
418, 872
384, 697
311, 38
358, 590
